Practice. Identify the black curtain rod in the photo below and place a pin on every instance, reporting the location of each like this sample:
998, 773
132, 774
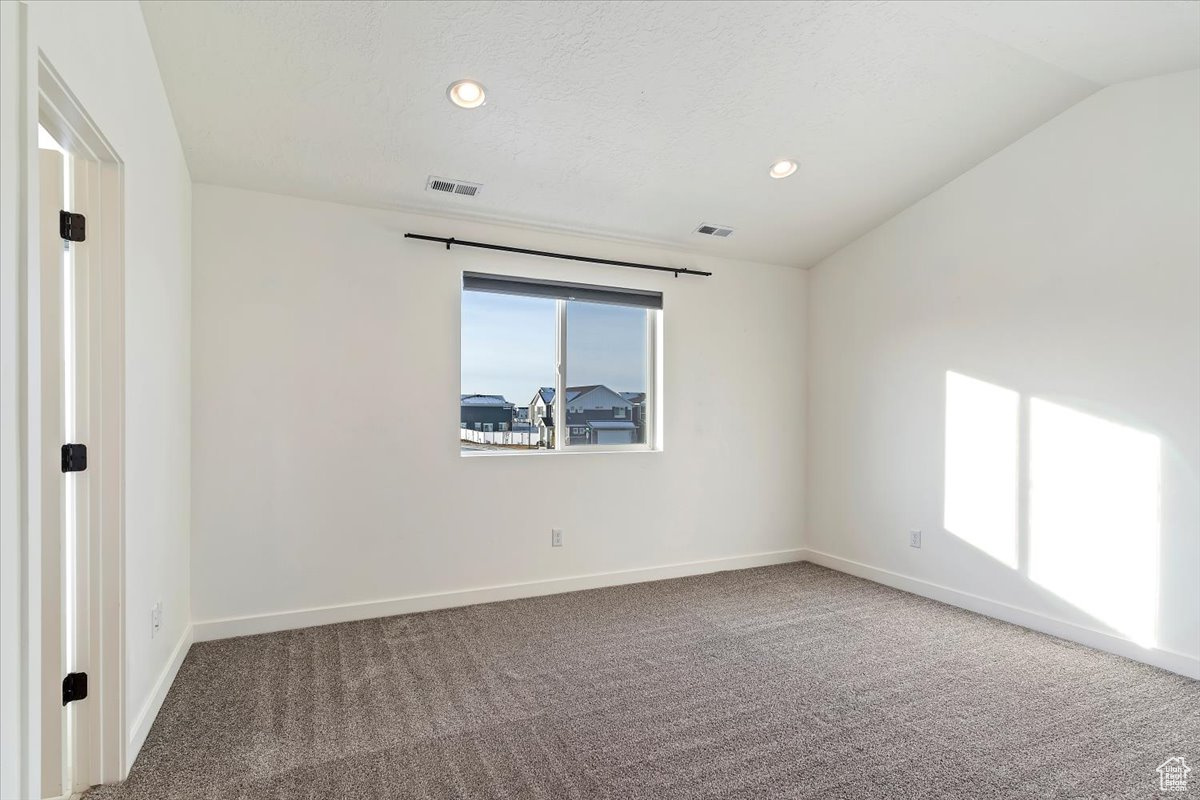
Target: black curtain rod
547, 254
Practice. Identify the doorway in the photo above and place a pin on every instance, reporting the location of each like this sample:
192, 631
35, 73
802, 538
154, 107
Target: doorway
64, 484
76, 272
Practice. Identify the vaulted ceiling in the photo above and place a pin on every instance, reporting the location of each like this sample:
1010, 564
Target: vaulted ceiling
642, 120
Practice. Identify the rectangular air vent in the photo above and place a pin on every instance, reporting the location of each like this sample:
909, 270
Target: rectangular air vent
714, 230
464, 188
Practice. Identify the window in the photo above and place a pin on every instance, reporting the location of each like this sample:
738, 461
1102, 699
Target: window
591, 348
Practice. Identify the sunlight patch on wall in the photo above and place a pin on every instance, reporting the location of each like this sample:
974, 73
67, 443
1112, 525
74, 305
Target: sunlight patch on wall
982, 440
1094, 516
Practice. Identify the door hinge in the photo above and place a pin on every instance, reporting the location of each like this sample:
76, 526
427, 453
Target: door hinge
72, 227
74, 457
74, 687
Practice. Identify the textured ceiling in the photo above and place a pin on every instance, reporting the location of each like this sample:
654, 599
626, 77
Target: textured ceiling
641, 120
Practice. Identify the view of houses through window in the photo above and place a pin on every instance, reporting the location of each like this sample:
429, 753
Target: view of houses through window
508, 383
607, 370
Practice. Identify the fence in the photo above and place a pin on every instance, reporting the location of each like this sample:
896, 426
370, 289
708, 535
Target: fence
502, 438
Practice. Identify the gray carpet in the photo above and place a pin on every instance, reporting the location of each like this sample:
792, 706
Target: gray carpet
781, 682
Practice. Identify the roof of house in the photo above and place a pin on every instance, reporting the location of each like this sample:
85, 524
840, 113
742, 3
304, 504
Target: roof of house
547, 393
579, 391
483, 400
610, 425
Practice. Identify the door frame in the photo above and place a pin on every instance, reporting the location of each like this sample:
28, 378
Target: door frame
101, 583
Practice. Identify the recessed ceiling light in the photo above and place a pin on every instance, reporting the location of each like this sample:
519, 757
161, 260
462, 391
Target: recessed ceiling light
783, 168
466, 94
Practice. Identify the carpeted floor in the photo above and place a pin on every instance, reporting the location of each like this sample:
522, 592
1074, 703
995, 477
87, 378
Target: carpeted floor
781, 682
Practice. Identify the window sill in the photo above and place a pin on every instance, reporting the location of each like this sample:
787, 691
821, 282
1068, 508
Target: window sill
574, 451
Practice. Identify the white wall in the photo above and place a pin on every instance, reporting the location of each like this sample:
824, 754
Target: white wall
103, 53
323, 340
1065, 268
19, 700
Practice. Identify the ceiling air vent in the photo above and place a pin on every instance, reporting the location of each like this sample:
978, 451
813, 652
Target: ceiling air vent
714, 230
464, 188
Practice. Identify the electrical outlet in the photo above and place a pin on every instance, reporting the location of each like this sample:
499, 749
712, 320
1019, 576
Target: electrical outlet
914, 539
155, 618
556, 537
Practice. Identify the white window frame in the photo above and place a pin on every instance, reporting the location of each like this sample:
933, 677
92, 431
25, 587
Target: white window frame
652, 405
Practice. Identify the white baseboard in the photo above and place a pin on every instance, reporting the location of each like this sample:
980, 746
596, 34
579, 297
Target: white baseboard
1155, 656
289, 620
145, 718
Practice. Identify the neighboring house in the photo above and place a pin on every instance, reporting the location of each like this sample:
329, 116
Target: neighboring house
521, 421
485, 412
541, 415
638, 399
598, 415
595, 415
